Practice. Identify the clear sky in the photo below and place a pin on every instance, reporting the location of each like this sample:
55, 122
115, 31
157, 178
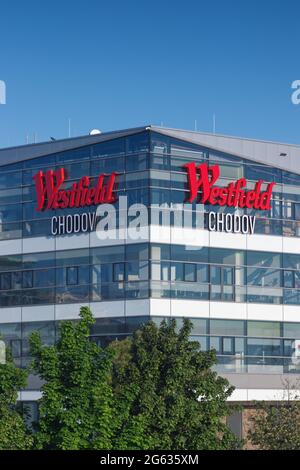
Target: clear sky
121, 63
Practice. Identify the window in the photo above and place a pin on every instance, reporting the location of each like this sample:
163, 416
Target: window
15, 347
16, 280
215, 343
190, 272
228, 276
215, 275
228, 346
202, 273
222, 283
227, 327
288, 278
72, 276
27, 279
261, 328
118, 270
177, 272
5, 281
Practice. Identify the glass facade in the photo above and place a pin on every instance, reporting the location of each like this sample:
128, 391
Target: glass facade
242, 346
150, 171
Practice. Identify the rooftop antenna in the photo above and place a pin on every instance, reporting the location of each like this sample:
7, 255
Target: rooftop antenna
195, 125
214, 123
161, 124
27, 139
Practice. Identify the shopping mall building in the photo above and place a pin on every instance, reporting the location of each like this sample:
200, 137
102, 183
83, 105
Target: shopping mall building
153, 223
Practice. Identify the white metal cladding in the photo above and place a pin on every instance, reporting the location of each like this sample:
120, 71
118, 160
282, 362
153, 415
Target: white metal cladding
195, 238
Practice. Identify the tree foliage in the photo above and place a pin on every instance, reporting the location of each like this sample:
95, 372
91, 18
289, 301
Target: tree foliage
166, 395
76, 405
155, 390
276, 426
13, 435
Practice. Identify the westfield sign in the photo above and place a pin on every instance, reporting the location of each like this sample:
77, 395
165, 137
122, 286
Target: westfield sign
50, 194
201, 182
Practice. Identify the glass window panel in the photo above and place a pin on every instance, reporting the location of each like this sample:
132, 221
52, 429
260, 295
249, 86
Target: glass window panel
227, 327
27, 279
190, 272
72, 275
261, 328
44, 278
137, 252
202, 340
177, 270
108, 254
106, 272
291, 330
38, 260
263, 347
72, 257
215, 343
186, 253
16, 280
119, 272
297, 279
226, 256
239, 345
202, 273
10, 180
288, 278
5, 281
264, 259
228, 277
159, 252
228, 346
215, 275
10, 262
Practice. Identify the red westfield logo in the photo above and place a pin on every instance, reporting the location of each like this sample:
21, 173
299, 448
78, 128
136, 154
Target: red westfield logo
50, 194
201, 180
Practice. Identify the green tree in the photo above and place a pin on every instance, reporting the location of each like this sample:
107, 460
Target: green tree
276, 426
76, 406
166, 395
13, 433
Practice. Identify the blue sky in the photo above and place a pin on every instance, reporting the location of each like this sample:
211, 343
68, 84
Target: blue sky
117, 64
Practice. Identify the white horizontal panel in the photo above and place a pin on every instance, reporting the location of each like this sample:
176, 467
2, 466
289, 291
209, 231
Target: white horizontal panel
29, 395
160, 234
68, 311
246, 394
264, 243
70, 242
10, 247
189, 236
115, 308
189, 308
291, 313
268, 312
10, 314
228, 310
155, 234
239, 395
38, 313
272, 394
291, 244
38, 244
160, 307
137, 307
228, 240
